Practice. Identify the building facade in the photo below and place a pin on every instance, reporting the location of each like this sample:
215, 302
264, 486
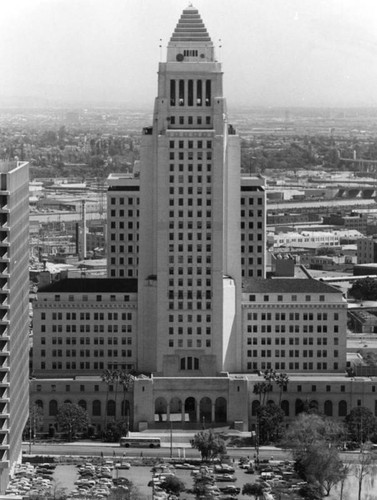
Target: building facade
14, 313
85, 326
186, 245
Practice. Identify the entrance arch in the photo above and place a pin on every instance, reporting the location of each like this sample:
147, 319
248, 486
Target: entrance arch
160, 409
190, 409
220, 410
205, 410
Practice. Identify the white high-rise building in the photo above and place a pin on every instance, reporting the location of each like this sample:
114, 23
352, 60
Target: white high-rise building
14, 313
189, 252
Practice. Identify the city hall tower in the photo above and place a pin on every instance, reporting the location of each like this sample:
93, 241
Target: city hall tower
189, 277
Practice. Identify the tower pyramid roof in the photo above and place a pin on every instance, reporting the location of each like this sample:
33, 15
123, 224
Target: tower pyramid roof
190, 27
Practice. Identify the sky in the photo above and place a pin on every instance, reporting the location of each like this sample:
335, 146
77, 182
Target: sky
274, 52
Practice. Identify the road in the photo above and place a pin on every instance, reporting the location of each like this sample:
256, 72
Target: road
111, 450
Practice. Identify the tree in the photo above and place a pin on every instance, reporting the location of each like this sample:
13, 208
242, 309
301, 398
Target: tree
364, 289
310, 492
209, 444
107, 376
307, 430
365, 466
344, 474
281, 380
34, 422
270, 418
72, 418
314, 440
126, 380
361, 424
172, 485
253, 489
321, 466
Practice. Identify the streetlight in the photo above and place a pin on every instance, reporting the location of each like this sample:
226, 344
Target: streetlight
171, 439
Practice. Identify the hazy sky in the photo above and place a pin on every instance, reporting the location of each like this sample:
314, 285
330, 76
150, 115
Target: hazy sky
274, 52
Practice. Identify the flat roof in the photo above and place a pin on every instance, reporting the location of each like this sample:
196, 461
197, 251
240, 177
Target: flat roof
287, 285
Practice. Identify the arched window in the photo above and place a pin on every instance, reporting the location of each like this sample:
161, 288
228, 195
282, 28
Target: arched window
328, 408
82, 403
96, 408
125, 408
342, 409
111, 408
53, 408
39, 403
284, 405
299, 406
254, 407
67, 402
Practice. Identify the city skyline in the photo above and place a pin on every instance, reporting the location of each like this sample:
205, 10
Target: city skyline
291, 53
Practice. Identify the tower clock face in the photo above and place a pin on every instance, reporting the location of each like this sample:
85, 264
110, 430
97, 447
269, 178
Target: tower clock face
179, 57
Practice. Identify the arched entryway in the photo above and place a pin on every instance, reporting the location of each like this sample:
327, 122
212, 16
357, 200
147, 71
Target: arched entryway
205, 411
190, 409
160, 409
175, 409
220, 410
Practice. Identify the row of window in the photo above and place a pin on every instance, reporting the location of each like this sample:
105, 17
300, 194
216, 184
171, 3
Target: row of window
277, 365
251, 248
292, 353
130, 201
190, 120
190, 144
87, 316
87, 353
181, 202
293, 298
289, 341
122, 213
189, 270
293, 316
251, 200
88, 340
180, 305
190, 92
122, 261
121, 273
121, 225
85, 365
189, 330
189, 282
290, 328
86, 298
87, 328
124, 237
190, 190
189, 343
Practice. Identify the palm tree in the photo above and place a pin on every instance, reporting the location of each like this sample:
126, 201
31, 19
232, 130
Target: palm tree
281, 380
107, 377
258, 389
126, 380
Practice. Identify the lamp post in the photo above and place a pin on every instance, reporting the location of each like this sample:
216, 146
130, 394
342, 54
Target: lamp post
171, 439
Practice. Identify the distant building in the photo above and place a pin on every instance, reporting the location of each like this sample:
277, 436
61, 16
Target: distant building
366, 250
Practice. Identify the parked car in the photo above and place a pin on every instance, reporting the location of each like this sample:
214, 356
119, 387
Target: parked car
225, 478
